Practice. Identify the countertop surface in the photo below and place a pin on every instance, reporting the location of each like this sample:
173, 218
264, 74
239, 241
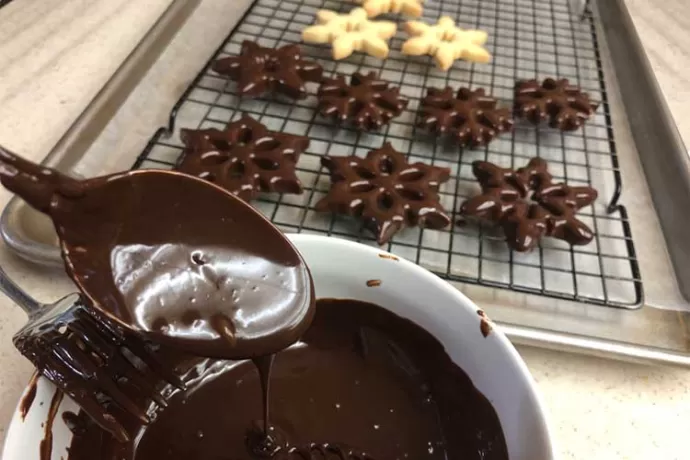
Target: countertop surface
52, 65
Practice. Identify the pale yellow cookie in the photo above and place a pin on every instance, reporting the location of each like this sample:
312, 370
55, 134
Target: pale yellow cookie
446, 42
350, 32
374, 8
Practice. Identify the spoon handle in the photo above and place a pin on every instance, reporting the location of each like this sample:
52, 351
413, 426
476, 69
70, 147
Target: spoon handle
36, 184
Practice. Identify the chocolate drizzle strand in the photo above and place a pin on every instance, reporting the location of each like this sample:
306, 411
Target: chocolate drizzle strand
367, 102
245, 158
362, 384
564, 105
528, 205
258, 70
470, 117
385, 191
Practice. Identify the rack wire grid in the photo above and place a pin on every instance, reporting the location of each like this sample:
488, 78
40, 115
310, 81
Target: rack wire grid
528, 39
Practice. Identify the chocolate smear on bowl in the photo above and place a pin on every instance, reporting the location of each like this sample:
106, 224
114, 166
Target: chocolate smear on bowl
28, 399
362, 383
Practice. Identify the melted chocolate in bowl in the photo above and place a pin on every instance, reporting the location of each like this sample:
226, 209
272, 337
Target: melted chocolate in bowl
363, 383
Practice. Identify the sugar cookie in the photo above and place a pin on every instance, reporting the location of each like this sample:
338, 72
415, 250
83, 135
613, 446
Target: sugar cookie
446, 42
374, 8
350, 32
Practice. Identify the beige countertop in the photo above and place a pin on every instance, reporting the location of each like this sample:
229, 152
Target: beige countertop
51, 66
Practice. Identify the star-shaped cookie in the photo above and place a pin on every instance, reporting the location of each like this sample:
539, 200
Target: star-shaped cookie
245, 158
445, 42
386, 191
529, 205
258, 70
351, 32
374, 8
564, 105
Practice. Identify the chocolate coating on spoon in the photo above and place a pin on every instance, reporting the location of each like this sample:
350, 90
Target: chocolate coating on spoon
180, 260
363, 384
186, 263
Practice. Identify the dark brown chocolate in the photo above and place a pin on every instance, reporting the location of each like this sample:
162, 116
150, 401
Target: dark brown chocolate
385, 191
470, 117
362, 384
565, 106
28, 399
367, 102
528, 205
245, 158
258, 70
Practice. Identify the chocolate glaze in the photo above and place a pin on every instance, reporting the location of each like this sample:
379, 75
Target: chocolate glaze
470, 116
528, 205
386, 191
245, 158
258, 70
367, 102
564, 105
363, 383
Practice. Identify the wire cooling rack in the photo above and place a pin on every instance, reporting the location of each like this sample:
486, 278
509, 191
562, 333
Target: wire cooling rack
528, 39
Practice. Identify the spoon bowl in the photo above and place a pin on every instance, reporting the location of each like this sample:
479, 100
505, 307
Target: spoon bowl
173, 257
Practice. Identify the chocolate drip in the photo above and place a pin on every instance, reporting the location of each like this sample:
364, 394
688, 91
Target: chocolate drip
263, 366
363, 384
46, 446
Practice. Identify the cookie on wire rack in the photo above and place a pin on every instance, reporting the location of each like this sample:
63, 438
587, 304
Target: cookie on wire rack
259, 70
385, 191
563, 105
528, 205
470, 117
367, 102
245, 158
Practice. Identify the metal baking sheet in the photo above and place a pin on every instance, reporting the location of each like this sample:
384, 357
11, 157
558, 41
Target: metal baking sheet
586, 299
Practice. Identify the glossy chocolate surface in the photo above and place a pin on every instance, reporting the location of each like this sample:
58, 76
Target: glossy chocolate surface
258, 70
367, 101
470, 117
363, 383
564, 105
386, 191
245, 158
185, 263
171, 256
529, 205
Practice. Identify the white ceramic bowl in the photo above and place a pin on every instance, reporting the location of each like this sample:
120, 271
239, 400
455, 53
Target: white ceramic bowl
341, 269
